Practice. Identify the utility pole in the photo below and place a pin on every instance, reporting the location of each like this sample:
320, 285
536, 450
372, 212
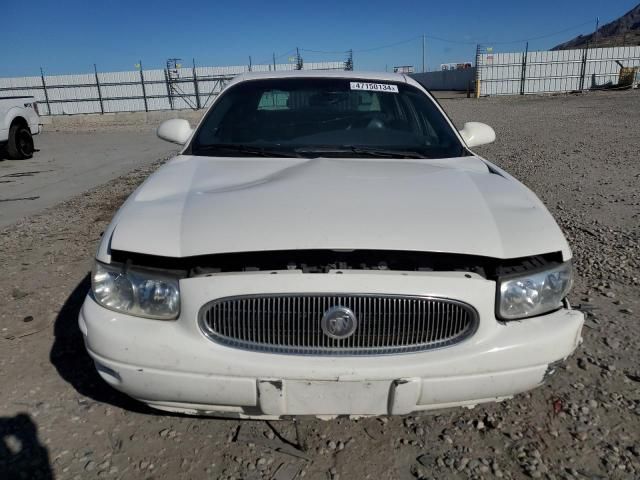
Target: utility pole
423, 49
249, 62
274, 61
595, 34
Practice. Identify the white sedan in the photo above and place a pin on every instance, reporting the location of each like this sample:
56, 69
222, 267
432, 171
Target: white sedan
326, 243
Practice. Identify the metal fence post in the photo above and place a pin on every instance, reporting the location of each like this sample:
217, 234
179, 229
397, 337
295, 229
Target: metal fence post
523, 75
46, 96
195, 85
144, 90
583, 68
299, 61
477, 79
95, 72
166, 80
348, 65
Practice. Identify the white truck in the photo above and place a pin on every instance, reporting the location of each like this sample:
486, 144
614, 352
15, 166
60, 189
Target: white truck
19, 121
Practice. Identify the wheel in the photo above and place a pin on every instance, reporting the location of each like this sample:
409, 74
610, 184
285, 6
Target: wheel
20, 144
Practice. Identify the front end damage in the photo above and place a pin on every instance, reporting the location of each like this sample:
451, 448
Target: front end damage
173, 365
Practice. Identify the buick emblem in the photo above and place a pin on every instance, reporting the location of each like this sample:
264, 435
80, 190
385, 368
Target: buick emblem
339, 322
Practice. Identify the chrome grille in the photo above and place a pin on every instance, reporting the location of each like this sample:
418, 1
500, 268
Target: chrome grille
290, 323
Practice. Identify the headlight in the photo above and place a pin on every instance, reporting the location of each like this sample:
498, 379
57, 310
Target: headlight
530, 294
142, 293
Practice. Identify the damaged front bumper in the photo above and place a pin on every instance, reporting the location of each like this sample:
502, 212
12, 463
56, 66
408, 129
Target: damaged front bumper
172, 366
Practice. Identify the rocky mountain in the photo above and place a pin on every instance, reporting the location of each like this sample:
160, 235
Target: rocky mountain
622, 31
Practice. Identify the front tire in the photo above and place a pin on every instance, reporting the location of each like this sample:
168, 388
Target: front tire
20, 145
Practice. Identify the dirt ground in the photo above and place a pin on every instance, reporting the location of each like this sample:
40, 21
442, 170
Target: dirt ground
580, 154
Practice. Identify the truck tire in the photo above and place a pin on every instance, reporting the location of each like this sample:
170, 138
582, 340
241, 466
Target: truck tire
20, 145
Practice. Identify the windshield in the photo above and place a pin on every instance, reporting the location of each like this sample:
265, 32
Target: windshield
325, 117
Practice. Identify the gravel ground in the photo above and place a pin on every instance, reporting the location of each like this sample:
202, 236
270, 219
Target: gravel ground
578, 153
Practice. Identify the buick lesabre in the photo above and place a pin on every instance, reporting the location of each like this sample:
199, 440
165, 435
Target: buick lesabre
328, 243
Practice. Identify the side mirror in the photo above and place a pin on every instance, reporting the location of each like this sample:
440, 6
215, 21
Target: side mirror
176, 130
476, 133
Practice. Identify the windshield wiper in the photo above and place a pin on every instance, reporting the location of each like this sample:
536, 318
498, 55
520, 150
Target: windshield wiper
367, 151
246, 150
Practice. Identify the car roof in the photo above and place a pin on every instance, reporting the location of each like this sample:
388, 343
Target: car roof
347, 74
395, 77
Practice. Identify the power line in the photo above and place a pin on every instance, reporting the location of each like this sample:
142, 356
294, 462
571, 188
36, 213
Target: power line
327, 52
286, 53
543, 36
447, 40
362, 50
422, 37
276, 57
522, 40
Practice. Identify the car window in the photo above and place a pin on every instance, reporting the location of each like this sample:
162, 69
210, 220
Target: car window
309, 114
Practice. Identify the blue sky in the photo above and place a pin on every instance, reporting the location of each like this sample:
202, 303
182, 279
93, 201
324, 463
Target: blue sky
70, 36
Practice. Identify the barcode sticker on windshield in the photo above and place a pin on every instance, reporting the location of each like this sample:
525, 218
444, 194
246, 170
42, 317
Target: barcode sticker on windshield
374, 87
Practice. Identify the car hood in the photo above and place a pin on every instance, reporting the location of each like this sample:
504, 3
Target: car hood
204, 205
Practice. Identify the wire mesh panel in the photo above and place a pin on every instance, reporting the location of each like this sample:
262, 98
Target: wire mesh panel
138, 90
555, 70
